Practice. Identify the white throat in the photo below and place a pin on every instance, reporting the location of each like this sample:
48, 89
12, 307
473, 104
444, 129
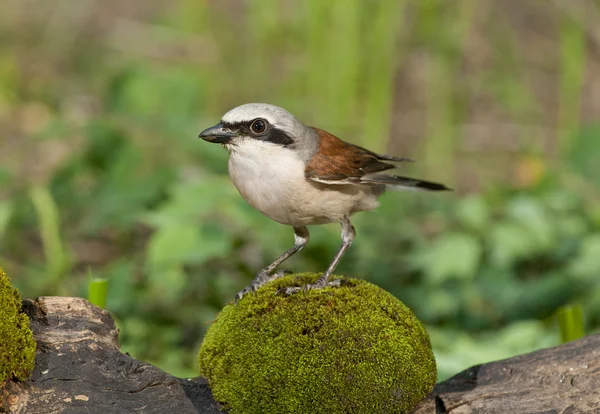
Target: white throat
265, 174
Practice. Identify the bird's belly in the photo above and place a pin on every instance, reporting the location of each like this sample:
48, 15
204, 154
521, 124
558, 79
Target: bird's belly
266, 195
282, 193
322, 203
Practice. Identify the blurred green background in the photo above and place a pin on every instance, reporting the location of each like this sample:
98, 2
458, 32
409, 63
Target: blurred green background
101, 171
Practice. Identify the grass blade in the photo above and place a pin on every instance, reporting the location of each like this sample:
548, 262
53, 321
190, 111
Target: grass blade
57, 259
570, 322
97, 291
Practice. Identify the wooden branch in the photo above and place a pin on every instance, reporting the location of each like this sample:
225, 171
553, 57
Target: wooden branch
79, 369
564, 379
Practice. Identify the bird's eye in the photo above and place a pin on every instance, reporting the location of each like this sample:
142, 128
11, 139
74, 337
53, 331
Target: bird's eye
258, 126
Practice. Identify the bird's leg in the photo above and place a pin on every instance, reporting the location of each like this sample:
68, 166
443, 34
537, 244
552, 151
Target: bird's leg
266, 275
348, 234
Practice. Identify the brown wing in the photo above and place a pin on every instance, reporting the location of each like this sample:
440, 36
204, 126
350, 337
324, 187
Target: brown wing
338, 162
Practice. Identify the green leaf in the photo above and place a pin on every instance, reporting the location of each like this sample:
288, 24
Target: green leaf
453, 255
473, 212
173, 245
539, 297
181, 244
587, 263
190, 201
532, 216
510, 242
168, 283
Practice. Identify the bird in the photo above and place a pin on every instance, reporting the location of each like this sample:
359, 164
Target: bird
299, 176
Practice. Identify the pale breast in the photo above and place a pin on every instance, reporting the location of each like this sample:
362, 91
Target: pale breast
271, 179
317, 203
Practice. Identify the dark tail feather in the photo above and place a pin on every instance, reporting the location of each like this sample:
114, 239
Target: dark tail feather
396, 182
395, 159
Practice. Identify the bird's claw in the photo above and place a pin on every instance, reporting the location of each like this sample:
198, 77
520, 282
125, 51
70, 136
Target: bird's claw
261, 279
244, 291
287, 291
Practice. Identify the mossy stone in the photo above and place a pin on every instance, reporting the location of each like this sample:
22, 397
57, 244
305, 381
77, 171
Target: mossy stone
351, 349
17, 346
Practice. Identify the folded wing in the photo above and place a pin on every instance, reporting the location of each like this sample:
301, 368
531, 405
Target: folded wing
338, 162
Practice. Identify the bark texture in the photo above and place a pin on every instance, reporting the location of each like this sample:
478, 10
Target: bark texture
560, 380
80, 369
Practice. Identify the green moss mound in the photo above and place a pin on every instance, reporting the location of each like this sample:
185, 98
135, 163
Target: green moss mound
352, 349
17, 346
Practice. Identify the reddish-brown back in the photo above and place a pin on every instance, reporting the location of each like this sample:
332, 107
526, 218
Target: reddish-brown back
338, 160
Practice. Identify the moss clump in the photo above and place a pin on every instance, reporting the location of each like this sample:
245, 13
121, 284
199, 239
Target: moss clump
352, 349
17, 346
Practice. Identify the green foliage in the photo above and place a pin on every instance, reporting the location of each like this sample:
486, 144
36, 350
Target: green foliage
549, 234
353, 349
17, 346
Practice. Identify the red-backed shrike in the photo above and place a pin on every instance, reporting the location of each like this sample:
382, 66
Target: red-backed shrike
300, 176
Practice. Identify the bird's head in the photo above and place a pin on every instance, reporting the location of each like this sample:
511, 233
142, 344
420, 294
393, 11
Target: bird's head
258, 125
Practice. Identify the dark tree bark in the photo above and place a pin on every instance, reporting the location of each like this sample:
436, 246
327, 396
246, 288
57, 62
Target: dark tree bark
560, 380
79, 369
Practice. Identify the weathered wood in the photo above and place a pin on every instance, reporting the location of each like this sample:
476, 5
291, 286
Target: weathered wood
564, 379
79, 368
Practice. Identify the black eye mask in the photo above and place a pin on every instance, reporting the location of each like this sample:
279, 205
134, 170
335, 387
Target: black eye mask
271, 134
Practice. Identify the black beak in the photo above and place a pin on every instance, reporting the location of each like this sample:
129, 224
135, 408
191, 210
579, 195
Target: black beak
217, 134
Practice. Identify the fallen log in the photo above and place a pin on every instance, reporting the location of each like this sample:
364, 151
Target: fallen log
564, 379
79, 368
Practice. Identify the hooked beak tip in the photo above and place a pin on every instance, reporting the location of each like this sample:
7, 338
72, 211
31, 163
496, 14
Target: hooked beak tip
217, 134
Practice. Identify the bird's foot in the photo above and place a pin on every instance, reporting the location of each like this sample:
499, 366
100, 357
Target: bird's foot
261, 279
318, 285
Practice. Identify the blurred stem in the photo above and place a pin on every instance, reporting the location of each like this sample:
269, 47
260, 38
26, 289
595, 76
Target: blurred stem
443, 66
344, 54
570, 322
334, 57
257, 56
573, 56
97, 291
57, 260
6, 210
381, 62
316, 28
440, 143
